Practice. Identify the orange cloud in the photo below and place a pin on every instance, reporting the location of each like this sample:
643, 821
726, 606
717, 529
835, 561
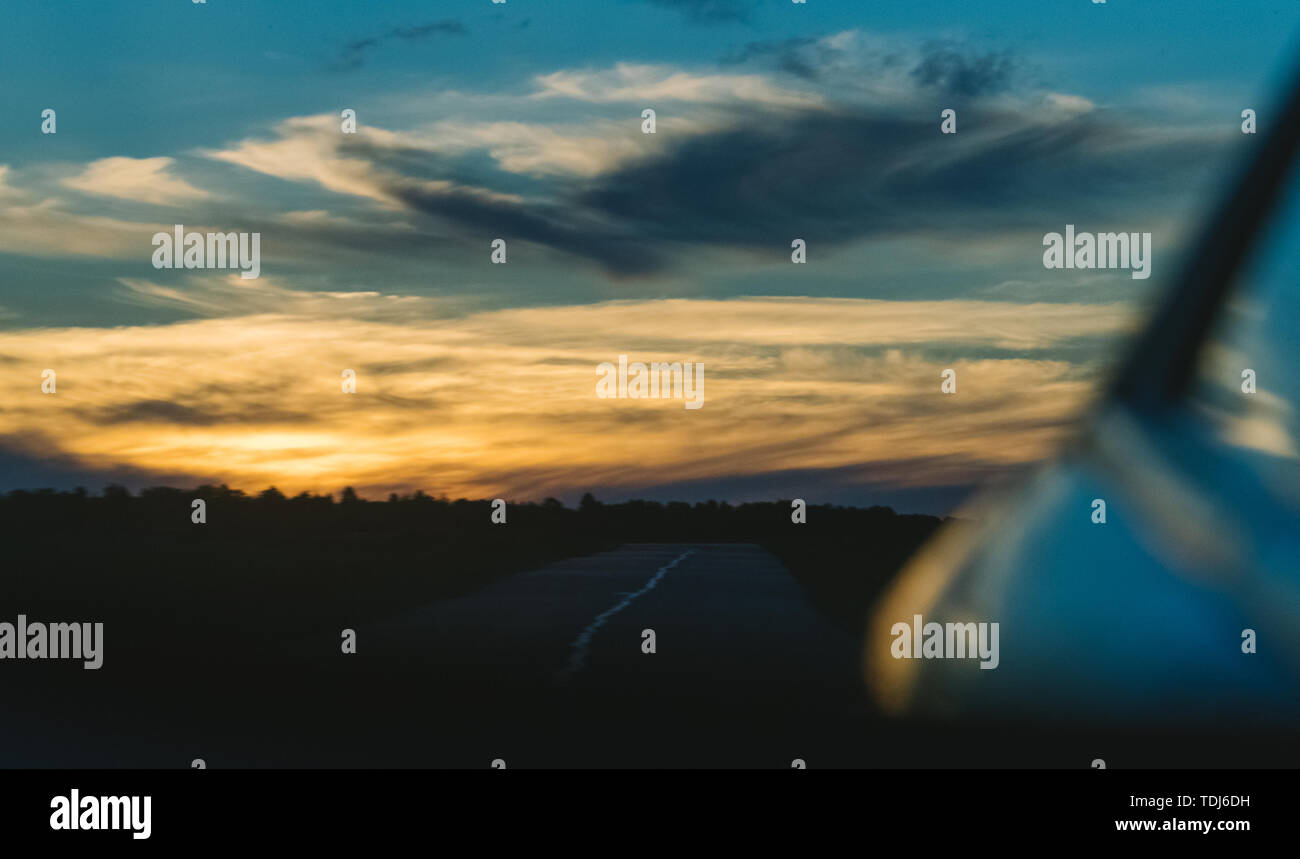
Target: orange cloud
503, 403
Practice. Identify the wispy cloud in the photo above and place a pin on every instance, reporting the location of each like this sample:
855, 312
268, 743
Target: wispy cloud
504, 402
353, 54
632, 82
145, 180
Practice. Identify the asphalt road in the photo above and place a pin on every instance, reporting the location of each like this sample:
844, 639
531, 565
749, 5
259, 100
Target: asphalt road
548, 668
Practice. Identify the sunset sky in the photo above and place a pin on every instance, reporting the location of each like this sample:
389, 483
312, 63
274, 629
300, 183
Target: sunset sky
522, 121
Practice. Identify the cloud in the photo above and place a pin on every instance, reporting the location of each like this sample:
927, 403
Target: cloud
52, 228
860, 67
832, 139
951, 68
502, 403
835, 177
380, 166
178, 414
7, 191
310, 148
45, 229
231, 296
742, 163
354, 52
633, 82
788, 55
582, 150
41, 467
144, 180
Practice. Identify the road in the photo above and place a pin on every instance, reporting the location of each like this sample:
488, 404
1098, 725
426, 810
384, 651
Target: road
551, 663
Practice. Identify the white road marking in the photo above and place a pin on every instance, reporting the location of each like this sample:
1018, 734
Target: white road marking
578, 650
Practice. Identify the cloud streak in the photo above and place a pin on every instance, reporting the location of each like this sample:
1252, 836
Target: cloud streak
145, 180
503, 402
353, 54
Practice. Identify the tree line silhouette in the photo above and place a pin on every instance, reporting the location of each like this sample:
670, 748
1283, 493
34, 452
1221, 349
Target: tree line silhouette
299, 554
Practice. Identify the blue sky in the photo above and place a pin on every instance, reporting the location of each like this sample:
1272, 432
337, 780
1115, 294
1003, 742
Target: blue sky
522, 120
232, 65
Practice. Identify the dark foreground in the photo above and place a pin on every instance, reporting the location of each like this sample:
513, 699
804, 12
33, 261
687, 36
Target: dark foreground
548, 669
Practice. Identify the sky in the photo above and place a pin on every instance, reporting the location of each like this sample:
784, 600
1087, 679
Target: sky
523, 121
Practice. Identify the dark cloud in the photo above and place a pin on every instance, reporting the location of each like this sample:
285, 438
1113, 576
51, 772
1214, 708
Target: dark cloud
474, 215
164, 411
835, 175
412, 162
801, 56
945, 66
709, 11
950, 68
353, 53
831, 177
835, 178
620, 252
